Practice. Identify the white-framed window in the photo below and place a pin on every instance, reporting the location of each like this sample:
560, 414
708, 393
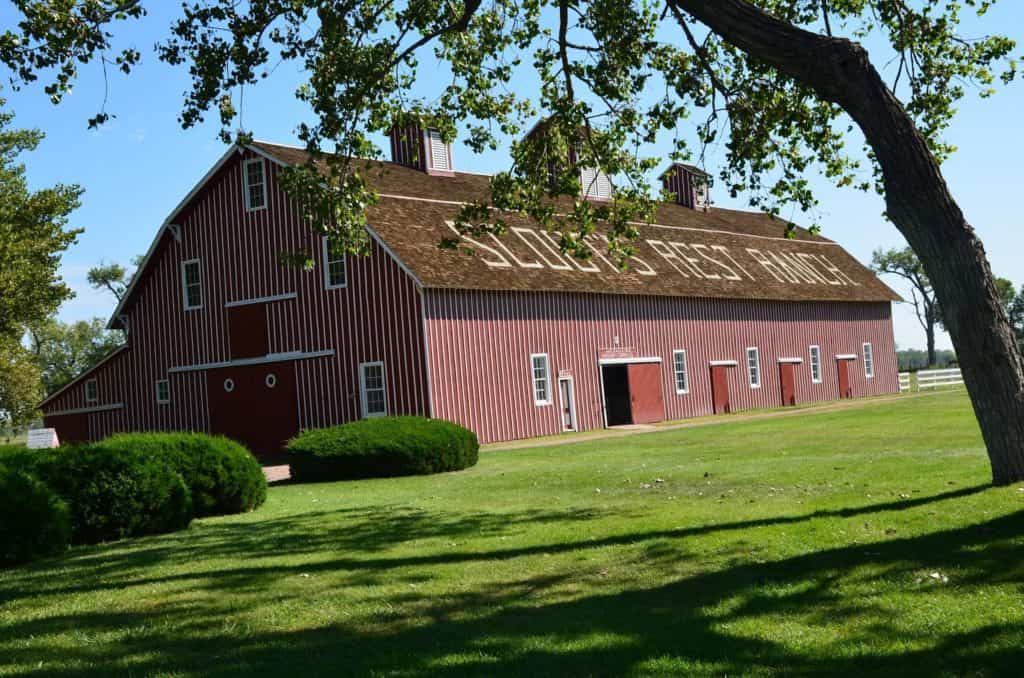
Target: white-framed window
92, 391
869, 361
373, 389
815, 356
163, 391
335, 266
754, 367
679, 367
541, 374
191, 284
254, 184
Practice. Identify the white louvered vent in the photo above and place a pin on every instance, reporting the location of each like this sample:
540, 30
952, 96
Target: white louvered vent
596, 183
439, 155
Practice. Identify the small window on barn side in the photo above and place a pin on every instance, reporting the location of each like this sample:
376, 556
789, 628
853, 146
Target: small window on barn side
373, 389
254, 181
335, 265
163, 391
682, 378
754, 367
541, 379
191, 284
869, 361
92, 391
815, 355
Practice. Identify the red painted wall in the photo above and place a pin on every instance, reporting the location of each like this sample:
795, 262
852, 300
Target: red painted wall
479, 345
377, 317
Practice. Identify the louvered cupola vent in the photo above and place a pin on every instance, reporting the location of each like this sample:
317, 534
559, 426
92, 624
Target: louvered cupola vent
421, 148
594, 184
688, 185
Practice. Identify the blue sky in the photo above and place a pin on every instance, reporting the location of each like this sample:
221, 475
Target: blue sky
137, 167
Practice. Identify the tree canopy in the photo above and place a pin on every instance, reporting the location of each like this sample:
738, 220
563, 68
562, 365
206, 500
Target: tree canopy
33, 235
62, 351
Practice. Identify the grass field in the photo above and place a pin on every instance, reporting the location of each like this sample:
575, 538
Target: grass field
863, 541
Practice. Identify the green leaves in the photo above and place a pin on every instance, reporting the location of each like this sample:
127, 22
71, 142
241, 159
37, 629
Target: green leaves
33, 236
608, 77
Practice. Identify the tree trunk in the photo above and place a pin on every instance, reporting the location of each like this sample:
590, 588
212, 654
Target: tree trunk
930, 334
919, 204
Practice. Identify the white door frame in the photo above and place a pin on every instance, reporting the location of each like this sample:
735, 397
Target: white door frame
572, 402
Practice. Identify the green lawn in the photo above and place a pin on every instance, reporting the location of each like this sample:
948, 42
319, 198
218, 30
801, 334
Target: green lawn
863, 541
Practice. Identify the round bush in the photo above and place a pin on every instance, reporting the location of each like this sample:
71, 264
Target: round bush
382, 447
221, 474
36, 521
113, 494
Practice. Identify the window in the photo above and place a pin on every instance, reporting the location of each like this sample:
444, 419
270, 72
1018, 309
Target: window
163, 391
541, 379
372, 389
191, 284
335, 266
92, 391
869, 361
254, 183
682, 379
754, 367
815, 352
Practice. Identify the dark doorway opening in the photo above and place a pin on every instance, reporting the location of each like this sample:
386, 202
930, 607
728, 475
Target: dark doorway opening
618, 410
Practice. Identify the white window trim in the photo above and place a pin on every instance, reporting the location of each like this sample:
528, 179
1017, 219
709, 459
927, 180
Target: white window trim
184, 285
866, 349
810, 356
166, 400
675, 372
245, 184
327, 268
757, 353
362, 388
95, 389
547, 380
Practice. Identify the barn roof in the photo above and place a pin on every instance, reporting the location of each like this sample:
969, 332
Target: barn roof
721, 253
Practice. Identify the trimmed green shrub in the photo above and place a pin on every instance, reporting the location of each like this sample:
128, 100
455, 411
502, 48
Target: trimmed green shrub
221, 474
382, 447
35, 522
113, 494
11, 449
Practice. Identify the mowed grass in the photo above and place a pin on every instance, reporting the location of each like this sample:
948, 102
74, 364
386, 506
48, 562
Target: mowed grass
862, 541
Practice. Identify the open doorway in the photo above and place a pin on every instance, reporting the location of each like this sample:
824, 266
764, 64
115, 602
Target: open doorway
615, 379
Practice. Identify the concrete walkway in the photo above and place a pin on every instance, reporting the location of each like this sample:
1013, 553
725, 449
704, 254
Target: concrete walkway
717, 420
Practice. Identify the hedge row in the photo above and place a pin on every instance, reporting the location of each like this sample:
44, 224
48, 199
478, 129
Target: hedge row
124, 486
380, 448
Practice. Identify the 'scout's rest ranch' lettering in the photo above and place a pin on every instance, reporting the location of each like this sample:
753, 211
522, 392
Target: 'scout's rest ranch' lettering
688, 259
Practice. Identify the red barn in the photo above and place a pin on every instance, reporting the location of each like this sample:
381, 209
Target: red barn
718, 311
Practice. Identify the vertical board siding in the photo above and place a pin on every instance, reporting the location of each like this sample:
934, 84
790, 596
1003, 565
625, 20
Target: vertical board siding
480, 343
378, 316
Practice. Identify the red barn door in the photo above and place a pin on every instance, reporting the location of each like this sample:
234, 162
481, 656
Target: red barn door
645, 397
844, 379
788, 383
720, 389
255, 405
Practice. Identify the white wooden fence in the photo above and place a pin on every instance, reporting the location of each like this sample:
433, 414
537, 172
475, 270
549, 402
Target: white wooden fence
930, 379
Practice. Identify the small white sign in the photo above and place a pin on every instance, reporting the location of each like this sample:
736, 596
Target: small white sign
43, 439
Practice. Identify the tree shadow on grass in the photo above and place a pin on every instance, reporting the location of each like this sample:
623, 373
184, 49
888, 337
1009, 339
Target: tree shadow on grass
697, 624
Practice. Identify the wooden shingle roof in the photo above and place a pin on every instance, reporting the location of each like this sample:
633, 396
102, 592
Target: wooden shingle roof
720, 253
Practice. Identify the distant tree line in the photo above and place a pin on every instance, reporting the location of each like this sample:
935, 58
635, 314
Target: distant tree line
914, 359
